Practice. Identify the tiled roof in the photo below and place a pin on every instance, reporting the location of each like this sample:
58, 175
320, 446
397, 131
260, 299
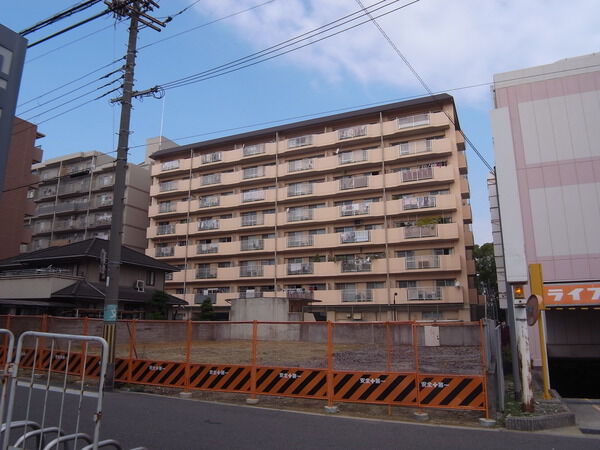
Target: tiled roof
84, 290
89, 248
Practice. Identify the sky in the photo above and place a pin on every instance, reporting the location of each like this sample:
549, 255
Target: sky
454, 46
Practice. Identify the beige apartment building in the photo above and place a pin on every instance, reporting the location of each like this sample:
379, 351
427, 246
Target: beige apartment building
74, 201
366, 213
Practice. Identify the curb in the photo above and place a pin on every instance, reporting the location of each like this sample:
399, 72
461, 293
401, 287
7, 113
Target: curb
536, 423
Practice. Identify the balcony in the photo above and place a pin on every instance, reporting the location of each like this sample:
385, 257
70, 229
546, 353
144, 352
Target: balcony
425, 173
252, 244
74, 188
300, 268
205, 249
349, 237
165, 229
253, 220
100, 220
300, 141
355, 209
416, 120
352, 132
418, 202
299, 293
423, 231
251, 271
213, 178
300, 164
45, 192
423, 293
422, 262
212, 157
304, 241
253, 196
254, 149
167, 186
205, 273
169, 165
209, 201
164, 251
167, 207
295, 190
298, 215
69, 225
351, 295
354, 182
71, 206
42, 210
209, 224
253, 172
357, 265
353, 157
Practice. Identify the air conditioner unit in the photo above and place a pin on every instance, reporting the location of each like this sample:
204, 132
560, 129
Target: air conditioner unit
140, 285
357, 316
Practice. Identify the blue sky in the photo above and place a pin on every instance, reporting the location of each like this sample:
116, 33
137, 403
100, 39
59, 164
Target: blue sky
452, 45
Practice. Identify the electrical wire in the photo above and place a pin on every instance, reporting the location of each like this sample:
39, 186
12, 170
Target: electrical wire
427, 88
62, 15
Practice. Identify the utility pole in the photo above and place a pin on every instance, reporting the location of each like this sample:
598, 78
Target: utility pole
136, 11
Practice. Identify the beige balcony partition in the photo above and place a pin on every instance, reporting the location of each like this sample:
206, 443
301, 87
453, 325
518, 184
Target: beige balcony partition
184, 275
467, 214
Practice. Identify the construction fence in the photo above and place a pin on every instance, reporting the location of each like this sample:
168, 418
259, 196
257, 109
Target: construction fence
421, 365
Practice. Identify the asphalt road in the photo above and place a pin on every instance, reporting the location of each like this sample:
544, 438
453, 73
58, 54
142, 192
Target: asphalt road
158, 422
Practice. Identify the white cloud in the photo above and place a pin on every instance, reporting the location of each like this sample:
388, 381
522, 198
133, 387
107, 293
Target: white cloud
450, 43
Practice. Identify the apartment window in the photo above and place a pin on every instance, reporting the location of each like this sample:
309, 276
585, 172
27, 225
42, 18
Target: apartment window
407, 284
212, 157
300, 164
445, 282
253, 172
254, 149
413, 121
224, 264
442, 251
213, 178
170, 165
253, 195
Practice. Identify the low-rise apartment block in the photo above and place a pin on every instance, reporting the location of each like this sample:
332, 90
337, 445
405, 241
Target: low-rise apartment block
367, 213
75, 196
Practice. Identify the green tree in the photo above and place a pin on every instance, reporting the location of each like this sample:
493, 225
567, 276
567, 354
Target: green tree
206, 310
485, 265
158, 308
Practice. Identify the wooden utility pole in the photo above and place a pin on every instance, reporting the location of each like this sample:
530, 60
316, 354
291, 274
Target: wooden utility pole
137, 12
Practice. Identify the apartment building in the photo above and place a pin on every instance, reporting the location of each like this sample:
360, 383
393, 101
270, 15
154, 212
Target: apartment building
15, 202
74, 201
366, 213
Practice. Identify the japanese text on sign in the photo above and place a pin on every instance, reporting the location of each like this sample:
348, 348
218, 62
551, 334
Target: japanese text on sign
434, 384
571, 294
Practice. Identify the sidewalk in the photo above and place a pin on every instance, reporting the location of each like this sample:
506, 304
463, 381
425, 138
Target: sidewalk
587, 413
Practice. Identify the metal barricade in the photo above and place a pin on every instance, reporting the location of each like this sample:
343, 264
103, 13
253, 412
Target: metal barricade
48, 368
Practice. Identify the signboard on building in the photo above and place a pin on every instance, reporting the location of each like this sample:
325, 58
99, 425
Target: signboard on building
586, 294
12, 58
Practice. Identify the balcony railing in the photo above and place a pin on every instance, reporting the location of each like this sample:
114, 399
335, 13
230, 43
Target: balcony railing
253, 172
210, 224
352, 157
300, 164
299, 293
415, 232
103, 219
170, 165
71, 206
254, 149
212, 157
251, 271
300, 268
355, 209
164, 251
72, 188
350, 295
204, 249
413, 121
44, 209
300, 241
300, 189
200, 298
300, 214
168, 186
425, 173
415, 147
45, 192
206, 273
418, 293
354, 182
252, 220
213, 178
418, 202
210, 201
252, 244
300, 141
351, 132
165, 229
356, 266
348, 237
423, 262
253, 196
166, 207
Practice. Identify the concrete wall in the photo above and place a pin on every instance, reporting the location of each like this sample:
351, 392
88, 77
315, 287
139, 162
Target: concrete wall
262, 309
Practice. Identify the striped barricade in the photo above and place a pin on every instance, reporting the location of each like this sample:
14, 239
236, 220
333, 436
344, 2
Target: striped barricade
224, 378
452, 391
375, 387
150, 372
291, 382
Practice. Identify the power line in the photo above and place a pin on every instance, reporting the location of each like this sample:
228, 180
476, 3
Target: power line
245, 61
427, 88
57, 17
